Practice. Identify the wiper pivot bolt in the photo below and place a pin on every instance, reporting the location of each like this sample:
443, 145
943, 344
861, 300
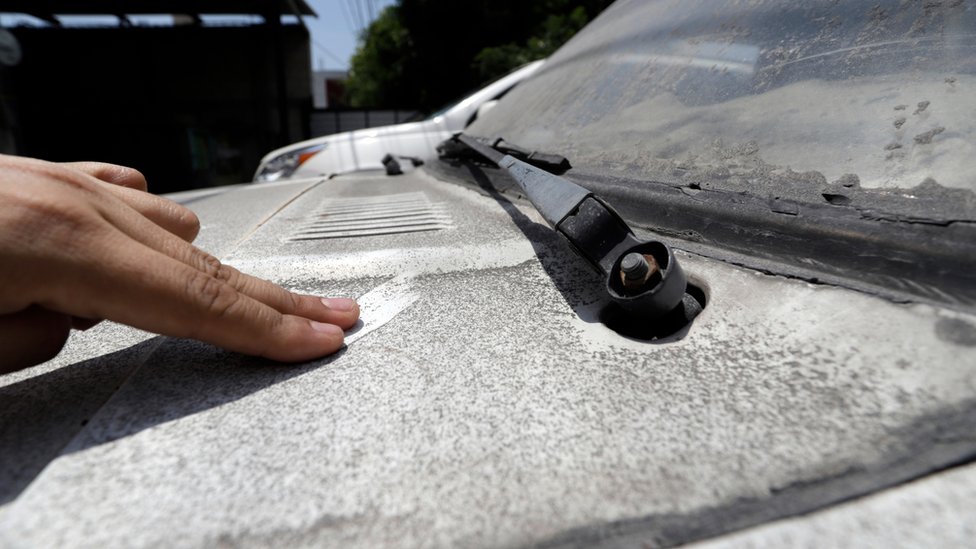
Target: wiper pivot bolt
637, 269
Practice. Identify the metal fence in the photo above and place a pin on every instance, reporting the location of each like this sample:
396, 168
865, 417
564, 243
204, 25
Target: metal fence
330, 121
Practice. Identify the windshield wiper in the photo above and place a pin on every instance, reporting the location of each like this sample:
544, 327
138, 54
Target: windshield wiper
554, 163
642, 277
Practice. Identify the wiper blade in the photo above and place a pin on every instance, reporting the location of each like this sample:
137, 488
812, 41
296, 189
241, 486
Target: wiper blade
550, 162
642, 277
554, 163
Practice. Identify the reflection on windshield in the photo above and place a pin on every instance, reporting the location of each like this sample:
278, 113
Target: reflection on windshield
884, 93
740, 58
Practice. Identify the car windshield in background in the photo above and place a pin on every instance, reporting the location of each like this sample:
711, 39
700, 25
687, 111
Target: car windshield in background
882, 94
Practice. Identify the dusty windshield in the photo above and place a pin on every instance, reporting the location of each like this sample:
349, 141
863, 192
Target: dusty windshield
881, 93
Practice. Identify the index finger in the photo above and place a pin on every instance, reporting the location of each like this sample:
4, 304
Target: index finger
169, 215
111, 173
133, 284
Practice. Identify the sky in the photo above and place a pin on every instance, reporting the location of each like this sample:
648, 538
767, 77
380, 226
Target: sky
334, 32
336, 28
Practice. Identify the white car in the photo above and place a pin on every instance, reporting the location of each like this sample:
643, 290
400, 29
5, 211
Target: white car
361, 150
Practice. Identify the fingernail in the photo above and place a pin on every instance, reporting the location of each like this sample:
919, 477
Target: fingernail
339, 303
330, 329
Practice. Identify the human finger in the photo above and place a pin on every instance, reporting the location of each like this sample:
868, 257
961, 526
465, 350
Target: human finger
135, 285
78, 175
111, 173
342, 312
31, 336
169, 215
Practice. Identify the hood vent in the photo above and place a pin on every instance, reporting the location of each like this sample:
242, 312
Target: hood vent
374, 216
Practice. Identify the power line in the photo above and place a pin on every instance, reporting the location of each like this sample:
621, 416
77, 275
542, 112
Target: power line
358, 6
345, 15
326, 51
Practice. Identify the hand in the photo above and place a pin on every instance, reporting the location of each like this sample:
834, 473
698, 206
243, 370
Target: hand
84, 241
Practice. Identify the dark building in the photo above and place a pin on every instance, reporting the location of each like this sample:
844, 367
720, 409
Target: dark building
190, 105
329, 89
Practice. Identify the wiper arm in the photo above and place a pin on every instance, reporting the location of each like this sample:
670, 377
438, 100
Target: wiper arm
643, 278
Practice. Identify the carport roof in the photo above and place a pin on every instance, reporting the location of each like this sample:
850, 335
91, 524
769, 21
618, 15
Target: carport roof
48, 8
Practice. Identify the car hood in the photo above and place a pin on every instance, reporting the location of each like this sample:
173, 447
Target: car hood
480, 402
396, 129
379, 131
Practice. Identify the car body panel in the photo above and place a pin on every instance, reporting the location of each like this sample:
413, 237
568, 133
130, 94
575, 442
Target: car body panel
933, 511
364, 149
481, 403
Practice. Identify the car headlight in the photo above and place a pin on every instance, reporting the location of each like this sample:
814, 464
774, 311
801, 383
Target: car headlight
284, 165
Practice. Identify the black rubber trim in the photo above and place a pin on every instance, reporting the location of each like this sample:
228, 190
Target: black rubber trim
899, 257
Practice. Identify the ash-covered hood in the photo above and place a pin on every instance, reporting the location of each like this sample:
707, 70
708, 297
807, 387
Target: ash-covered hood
481, 402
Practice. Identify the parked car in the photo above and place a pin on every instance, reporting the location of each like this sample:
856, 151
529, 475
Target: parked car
364, 149
808, 163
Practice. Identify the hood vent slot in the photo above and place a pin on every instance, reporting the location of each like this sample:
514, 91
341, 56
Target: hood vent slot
373, 216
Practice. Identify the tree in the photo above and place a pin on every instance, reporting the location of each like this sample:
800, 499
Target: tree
553, 32
379, 70
425, 53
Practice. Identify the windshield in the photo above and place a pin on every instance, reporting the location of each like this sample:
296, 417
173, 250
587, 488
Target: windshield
881, 94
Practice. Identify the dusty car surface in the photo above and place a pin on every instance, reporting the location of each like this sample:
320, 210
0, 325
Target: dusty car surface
362, 150
809, 164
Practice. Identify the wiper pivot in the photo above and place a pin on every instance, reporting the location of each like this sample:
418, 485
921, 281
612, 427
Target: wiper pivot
651, 284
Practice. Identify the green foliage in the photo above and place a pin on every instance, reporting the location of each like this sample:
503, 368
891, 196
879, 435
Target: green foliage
554, 31
425, 53
381, 63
